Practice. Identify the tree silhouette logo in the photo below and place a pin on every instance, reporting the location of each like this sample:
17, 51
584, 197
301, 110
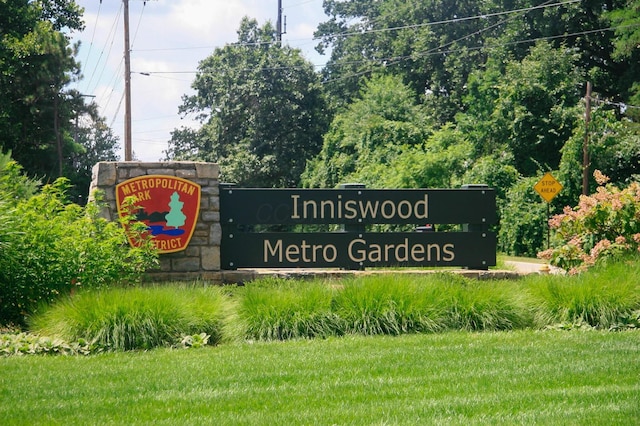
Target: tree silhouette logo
175, 218
169, 206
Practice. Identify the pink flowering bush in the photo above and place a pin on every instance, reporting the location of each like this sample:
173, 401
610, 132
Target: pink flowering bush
603, 226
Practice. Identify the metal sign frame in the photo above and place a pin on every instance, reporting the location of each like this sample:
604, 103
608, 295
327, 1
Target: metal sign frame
355, 208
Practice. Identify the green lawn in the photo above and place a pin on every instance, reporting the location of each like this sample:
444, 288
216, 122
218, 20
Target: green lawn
523, 377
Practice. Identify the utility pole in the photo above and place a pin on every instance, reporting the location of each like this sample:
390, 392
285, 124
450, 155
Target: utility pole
585, 144
127, 86
279, 30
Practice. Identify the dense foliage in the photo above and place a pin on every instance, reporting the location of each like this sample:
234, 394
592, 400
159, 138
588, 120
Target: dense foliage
523, 225
437, 94
50, 247
435, 45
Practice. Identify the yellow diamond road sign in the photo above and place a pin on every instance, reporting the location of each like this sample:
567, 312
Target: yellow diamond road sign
548, 187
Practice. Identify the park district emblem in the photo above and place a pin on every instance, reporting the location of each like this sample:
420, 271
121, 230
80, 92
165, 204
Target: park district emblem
168, 205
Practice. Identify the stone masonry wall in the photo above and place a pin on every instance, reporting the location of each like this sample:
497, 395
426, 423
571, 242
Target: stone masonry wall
201, 259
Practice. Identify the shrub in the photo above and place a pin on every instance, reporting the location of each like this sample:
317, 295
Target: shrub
606, 297
276, 309
604, 226
136, 318
31, 344
57, 247
14, 186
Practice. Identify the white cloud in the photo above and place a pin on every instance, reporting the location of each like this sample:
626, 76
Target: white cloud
210, 21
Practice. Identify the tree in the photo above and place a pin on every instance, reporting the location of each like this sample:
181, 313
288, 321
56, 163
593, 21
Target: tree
496, 171
438, 162
404, 39
262, 111
522, 220
613, 149
434, 45
36, 63
506, 76
371, 131
580, 27
385, 140
628, 32
627, 52
526, 108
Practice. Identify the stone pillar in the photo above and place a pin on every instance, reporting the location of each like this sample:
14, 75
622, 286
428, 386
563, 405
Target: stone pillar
201, 259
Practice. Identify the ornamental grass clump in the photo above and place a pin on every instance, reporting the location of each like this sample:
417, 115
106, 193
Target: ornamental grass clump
605, 298
135, 318
604, 226
389, 304
279, 309
474, 305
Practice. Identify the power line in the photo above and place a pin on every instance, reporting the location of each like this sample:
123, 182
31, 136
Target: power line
108, 42
114, 82
455, 20
93, 34
438, 50
431, 52
500, 23
135, 34
115, 115
372, 31
623, 107
300, 4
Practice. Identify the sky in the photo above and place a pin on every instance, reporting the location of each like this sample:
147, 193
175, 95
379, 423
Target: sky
170, 38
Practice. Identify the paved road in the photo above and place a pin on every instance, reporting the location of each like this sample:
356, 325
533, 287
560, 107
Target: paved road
531, 267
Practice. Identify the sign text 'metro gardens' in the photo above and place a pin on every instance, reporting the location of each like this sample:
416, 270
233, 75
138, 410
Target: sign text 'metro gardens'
355, 208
